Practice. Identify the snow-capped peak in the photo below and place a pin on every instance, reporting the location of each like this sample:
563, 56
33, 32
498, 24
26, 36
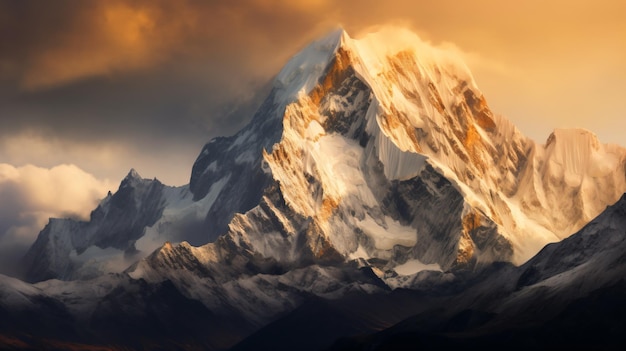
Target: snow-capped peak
133, 174
303, 71
133, 179
376, 48
577, 149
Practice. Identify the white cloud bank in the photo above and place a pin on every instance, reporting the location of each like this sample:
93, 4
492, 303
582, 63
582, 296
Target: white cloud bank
30, 195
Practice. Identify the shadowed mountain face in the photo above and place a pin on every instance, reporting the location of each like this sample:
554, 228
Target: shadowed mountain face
374, 184
130, 315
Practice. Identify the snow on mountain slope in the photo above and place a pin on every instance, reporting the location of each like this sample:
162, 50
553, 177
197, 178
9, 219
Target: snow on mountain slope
578, 282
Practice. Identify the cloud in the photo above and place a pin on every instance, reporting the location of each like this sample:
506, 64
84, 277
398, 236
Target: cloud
31, 195
69, 41
108, 159
100, 38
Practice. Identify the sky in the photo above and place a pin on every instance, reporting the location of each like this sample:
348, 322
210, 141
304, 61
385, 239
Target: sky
90, 89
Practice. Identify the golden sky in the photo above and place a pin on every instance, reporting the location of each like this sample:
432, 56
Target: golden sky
544, 64
110, 85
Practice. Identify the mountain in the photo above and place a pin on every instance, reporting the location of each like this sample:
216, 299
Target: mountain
388, 153
374, 167
370, 149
